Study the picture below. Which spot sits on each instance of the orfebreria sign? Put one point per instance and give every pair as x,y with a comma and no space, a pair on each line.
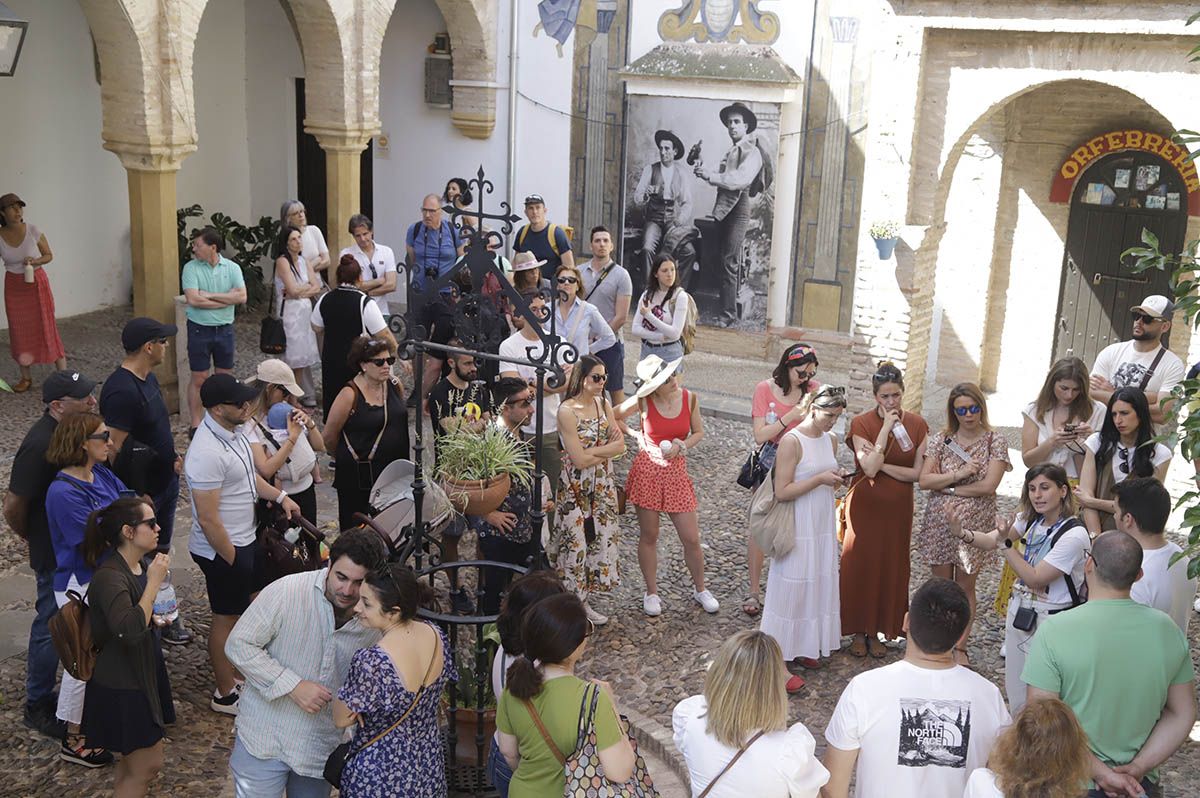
1120,140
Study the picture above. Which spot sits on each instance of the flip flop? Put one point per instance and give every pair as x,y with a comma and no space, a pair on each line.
858,648
752,606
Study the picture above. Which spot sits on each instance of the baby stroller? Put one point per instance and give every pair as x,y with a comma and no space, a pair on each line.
394,509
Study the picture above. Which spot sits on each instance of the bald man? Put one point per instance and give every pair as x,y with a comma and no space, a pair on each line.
433,245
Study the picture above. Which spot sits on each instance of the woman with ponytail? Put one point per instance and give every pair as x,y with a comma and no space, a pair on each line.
127,703
538,713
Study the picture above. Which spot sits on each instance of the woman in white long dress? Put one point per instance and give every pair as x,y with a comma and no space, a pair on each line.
295,285
802,610
315,250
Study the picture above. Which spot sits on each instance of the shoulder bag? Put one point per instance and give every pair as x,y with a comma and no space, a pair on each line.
336,763
272,340
772,522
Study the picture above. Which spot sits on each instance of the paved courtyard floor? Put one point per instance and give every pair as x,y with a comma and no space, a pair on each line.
652,662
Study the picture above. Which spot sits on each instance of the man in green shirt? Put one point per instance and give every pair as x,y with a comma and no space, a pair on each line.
1123,668
212,285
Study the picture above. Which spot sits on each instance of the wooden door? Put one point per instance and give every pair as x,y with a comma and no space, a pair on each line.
310,174
1113,201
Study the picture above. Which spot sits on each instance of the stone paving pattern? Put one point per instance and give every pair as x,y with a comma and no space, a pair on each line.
652,662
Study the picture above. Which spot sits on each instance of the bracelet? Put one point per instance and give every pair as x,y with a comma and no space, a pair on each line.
282,495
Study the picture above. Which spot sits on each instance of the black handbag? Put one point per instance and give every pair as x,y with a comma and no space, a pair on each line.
272,340
754,470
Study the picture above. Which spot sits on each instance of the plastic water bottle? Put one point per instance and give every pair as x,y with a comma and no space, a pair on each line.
166,605
772,416
902,438
666,447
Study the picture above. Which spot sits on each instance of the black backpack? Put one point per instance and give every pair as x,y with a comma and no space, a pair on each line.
1079,595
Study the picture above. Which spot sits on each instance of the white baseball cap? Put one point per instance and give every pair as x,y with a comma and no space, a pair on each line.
1157,306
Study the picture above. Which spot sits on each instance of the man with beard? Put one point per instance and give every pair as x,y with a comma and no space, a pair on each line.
665,193
458,399
1142,362
738,177
294,645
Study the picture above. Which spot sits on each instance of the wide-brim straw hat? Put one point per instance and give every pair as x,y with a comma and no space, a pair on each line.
524,261
652,372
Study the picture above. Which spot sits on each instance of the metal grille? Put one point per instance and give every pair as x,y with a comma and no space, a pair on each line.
438,68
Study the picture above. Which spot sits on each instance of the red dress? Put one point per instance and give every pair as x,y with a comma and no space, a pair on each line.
654,482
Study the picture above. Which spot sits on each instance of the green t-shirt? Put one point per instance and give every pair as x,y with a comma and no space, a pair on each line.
539,775
219,279
1112,661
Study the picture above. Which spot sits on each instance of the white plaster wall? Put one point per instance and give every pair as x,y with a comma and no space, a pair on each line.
76,192
426,149
217,175
273,62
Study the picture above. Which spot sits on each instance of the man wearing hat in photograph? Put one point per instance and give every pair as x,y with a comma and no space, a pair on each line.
63,392
548,241
1141,362
735,182
665,192
135,411
224,487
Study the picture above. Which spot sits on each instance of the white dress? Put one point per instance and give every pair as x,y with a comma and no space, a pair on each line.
802,610
301,349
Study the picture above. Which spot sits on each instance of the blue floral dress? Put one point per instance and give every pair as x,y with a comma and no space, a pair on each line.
410,760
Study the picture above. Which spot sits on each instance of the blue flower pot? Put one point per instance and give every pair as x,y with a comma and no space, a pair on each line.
886,246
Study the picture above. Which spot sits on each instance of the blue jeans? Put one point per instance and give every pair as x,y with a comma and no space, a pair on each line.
164,510
668,352
41,662
499,774
270,778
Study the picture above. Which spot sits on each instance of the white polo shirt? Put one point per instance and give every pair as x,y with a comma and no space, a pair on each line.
221,460
377,267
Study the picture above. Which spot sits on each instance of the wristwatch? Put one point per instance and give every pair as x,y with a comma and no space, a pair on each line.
1008,544
950,490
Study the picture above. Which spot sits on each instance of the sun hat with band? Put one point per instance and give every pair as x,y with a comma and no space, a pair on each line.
652,372
524,261
276,372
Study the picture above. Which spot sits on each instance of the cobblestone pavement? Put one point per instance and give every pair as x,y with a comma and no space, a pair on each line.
652,662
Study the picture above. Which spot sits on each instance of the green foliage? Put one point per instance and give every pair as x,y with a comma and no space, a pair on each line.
245,246
467,452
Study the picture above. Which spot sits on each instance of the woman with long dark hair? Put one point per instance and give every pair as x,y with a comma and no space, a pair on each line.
775,409
661,312
1051,547
391,693
295,286
543,690
458,194
583,540
1121,449
889,449
127,703
1063,416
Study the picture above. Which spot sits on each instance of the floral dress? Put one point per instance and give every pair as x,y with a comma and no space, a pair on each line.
583,544
409,760
934,541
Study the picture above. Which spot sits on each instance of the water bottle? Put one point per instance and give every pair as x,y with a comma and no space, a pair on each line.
772,416
166,605
902,438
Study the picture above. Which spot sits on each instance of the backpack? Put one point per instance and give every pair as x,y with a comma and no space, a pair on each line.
71,634
688,335
766,176
550,236
1079,595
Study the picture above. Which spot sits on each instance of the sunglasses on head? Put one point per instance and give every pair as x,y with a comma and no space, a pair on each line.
566,280
100,436
598,377
383,361
1144,318
969,410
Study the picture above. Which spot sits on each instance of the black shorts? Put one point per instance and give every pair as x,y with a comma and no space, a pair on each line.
229,586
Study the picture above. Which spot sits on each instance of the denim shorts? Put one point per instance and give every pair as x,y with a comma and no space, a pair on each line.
210,345
668,352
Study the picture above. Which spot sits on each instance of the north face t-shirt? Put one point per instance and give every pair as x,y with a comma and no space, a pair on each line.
918,731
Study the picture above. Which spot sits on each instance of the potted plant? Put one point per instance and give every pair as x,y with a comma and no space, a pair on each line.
475,703
477,463
886,235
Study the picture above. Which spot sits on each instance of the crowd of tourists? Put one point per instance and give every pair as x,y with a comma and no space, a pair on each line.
1098,677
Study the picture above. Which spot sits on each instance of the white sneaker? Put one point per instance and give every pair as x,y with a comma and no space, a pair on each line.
1196,606
596,618
707,601
651,604
1004,650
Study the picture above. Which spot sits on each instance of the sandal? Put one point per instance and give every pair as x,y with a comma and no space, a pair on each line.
876,648
24,385
752,606
858,647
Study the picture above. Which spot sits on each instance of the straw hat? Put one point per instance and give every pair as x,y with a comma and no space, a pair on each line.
652,372
524,261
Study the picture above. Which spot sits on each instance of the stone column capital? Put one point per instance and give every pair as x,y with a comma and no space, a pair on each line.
339,137
141,156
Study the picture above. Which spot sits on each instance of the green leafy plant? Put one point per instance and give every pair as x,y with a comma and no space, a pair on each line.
467,452
245,246
885,229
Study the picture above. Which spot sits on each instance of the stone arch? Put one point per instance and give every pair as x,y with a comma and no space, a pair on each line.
998,263
472,28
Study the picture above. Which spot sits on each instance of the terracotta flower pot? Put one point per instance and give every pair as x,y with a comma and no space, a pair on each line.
466,723
477,496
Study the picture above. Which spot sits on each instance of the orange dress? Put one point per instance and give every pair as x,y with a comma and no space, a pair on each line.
879,520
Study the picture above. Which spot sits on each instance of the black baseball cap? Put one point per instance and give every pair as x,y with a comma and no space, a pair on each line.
224,389
138,332
64,383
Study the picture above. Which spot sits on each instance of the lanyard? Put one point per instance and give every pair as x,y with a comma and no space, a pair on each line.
1033,553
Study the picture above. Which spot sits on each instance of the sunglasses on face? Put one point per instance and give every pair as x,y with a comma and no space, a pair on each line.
383,361
566,280
100,436
598,377
150,522
1143,318
591,628
969,410
521,403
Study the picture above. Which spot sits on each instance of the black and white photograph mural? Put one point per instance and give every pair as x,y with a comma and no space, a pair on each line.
700,187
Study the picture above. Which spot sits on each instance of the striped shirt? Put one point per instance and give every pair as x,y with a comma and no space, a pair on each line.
285,636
